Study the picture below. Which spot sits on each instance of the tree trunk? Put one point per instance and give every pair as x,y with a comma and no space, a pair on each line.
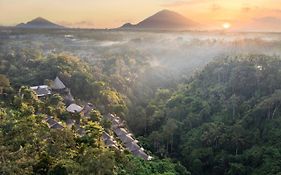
274,111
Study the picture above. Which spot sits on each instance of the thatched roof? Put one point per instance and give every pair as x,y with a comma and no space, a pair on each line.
74,108
57,84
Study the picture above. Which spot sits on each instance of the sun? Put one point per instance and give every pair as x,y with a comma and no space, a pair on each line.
226,25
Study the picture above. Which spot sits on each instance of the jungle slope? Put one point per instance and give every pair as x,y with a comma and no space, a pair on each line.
29,146
225,120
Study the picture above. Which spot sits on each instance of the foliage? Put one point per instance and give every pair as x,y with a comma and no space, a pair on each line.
225,120
29,146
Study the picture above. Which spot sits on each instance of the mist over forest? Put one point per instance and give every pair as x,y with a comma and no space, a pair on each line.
162,87
194,102
177,52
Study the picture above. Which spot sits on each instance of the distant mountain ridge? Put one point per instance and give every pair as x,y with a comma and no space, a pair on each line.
39,23
164,19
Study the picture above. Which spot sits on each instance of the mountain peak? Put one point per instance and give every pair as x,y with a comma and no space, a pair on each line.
127,25
165,19
39,22
40,19
166,11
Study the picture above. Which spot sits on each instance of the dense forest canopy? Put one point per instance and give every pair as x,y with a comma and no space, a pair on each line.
224,120
29,146
198,106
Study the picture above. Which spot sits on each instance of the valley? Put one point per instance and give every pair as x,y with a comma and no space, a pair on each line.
197,102
195,90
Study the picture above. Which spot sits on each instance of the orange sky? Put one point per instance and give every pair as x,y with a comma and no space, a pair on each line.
242,14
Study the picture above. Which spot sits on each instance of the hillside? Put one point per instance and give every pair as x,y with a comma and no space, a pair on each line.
221,118
35,137
164,19
39,23
225,120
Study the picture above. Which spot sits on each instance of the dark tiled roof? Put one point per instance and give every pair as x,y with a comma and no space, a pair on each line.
68,99
105,136
41,90
57,126
132,146
120,131
51,121
109,142
140,153
126,139
80,131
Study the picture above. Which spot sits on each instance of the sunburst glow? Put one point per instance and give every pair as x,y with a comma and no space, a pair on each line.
226,25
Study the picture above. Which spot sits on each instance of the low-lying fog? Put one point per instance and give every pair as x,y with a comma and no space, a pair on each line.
175,51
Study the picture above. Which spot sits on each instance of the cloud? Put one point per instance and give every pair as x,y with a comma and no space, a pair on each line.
85,23
226,20
184,3
246,9
268,20
267,23
215,7
276,10
79,24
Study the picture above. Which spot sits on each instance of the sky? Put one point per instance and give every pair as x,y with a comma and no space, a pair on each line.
240,14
